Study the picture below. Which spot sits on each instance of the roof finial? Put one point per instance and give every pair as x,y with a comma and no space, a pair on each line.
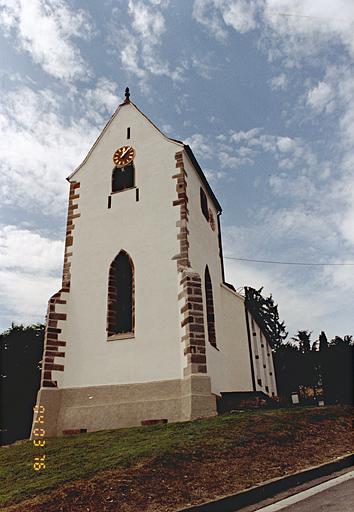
127,95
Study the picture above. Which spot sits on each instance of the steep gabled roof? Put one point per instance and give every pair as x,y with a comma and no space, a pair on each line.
107,126
178,142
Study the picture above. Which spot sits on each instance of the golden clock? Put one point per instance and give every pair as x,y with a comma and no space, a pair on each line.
123,156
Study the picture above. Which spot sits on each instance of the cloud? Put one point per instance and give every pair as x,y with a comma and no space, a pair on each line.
285,144
279,82
217,15
334,96
212,175
40,146
300,187
148,23
45,30
130,55
301,305
220,150
305,29
346,222
342,277
100,100
28,251
319,98
245,136
204,66
30,267
240,149
308,298
24,296
207,13
288,152
304,224
200,145
140,46
294,31
241,15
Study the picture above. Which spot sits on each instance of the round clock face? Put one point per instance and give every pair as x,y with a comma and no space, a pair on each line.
124,156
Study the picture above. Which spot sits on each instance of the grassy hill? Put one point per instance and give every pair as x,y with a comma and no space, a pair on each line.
165,467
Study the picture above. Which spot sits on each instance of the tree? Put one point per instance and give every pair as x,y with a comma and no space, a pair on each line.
308,364
303,339
287,362
338,374
343,343
266,314
21,350
327,365
323,342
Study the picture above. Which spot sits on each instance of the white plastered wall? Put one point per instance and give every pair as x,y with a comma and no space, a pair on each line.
147,231
229,364
262,360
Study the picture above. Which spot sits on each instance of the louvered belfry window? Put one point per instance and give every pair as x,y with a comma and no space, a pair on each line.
123,178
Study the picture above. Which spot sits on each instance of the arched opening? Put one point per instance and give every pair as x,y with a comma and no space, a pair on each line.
209,307
120,318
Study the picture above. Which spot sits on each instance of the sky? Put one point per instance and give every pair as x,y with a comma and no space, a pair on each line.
262,91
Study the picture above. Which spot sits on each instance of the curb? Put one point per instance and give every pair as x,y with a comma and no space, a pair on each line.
255,494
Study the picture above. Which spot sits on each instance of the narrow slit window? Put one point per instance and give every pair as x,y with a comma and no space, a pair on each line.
128,133
123,178
209,307
204,204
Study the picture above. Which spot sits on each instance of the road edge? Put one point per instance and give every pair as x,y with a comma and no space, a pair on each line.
269,488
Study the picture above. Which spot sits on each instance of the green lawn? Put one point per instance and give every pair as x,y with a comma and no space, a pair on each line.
79,457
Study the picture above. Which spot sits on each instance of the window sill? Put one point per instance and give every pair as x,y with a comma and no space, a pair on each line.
123,190
121,336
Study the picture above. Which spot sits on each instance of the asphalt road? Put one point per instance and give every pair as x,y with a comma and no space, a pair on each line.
336,495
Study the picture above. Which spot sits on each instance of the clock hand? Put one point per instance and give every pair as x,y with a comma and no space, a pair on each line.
126,151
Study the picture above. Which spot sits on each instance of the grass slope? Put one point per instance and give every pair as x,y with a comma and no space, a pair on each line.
167,466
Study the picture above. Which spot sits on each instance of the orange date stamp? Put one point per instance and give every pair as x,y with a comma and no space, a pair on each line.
38,438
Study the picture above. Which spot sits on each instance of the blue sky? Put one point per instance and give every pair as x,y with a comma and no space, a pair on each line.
262,90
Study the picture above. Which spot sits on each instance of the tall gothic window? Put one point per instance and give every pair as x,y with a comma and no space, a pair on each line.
121,295
204,204
123,177
209,307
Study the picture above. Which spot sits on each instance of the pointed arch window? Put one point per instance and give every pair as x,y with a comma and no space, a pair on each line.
209,307
121,309
204,204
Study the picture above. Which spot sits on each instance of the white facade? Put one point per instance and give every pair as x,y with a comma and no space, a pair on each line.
154,227
143,229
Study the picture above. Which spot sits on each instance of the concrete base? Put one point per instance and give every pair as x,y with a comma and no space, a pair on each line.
125,405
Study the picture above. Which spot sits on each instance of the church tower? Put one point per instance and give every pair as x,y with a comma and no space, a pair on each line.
144,327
